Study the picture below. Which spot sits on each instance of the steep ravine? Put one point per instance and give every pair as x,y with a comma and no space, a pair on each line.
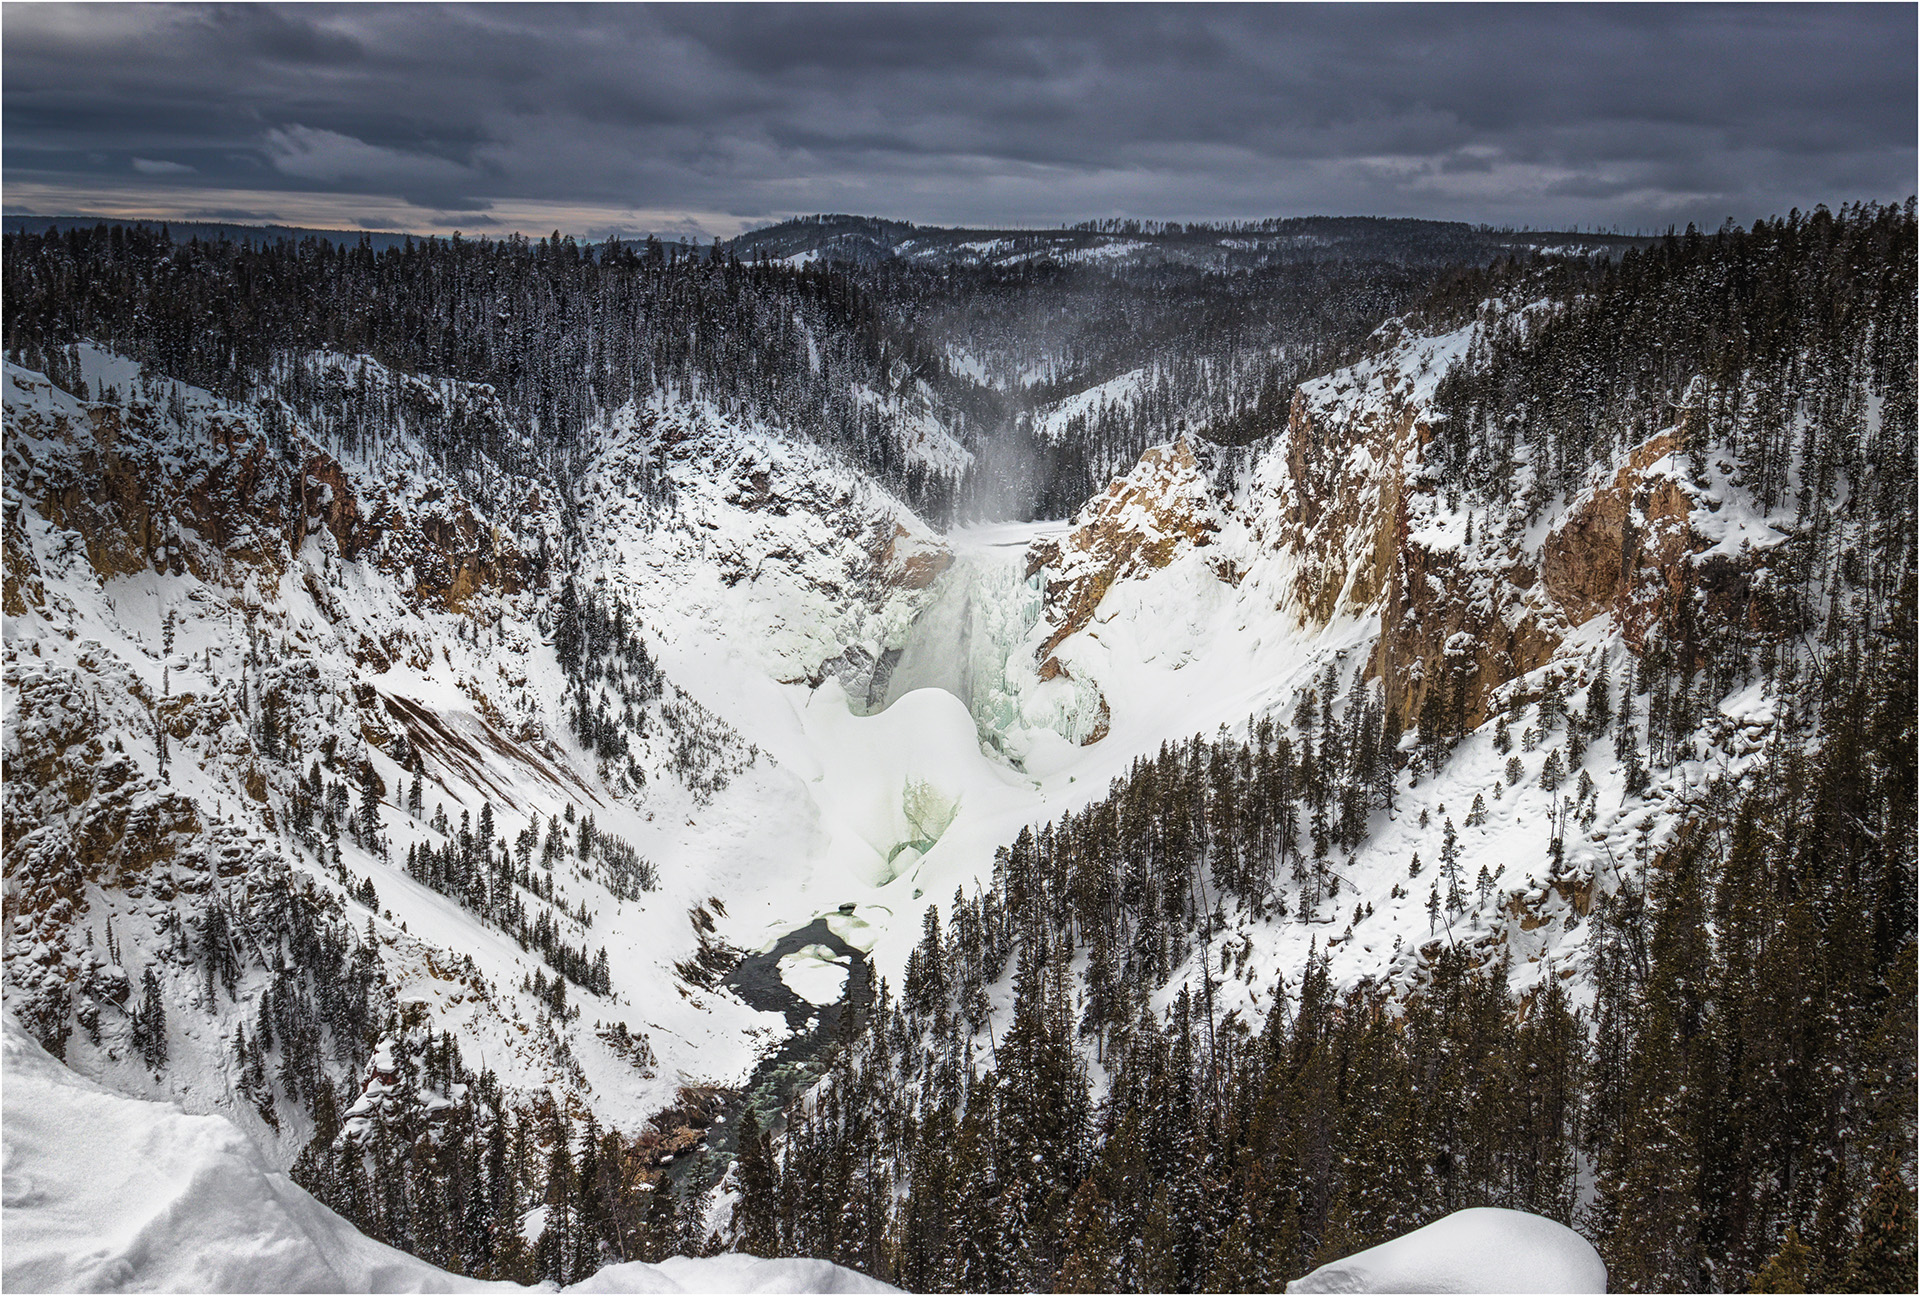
973,640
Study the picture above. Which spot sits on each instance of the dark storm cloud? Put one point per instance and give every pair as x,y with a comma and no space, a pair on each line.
714,116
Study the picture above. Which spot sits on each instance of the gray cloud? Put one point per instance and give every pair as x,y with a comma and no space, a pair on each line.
613,117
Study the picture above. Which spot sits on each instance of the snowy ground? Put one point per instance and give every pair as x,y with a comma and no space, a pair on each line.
752,585
747,603
108,1193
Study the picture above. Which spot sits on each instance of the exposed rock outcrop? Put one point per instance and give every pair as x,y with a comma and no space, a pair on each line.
1465,598
1168,504
221,502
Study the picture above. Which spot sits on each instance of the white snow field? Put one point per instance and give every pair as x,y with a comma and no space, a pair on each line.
107,1193
749,586
816,974
1482,1249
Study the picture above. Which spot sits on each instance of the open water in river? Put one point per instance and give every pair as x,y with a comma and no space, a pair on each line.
796,1063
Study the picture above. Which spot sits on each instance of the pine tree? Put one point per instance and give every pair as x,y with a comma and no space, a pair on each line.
755,1218
1552,771
150,1023
1787,1270
553,1250
367,822
1653,1174
1884,1256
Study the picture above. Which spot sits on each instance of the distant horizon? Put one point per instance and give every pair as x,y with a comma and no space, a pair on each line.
1582,230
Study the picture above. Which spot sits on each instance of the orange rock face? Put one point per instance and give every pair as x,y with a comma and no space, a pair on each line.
906,562
1343,514
1623,549
1345,495
136,507
1142,522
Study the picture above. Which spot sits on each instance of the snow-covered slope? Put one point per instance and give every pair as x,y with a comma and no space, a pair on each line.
722,686
108,1193
481,797
227,631
796,565
1212,585
867,239
326,610
1205,587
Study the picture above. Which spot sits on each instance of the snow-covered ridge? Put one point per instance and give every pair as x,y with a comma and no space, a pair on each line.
398,619
1480,1249
209,707
1330,557
1051,422
142,659
107,1193
768,546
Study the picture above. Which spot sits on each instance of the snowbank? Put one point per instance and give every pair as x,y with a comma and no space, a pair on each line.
1479,1250
730,1273
816,974
107,1193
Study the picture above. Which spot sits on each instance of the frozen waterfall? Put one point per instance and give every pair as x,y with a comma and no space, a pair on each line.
976,640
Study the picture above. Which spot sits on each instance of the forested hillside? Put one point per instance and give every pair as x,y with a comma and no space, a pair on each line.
975,387
562,335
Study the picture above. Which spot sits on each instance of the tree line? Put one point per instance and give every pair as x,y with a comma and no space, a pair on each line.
562,334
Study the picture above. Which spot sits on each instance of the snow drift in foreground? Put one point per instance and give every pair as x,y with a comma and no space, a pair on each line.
1483,1249
107,1193
730,1273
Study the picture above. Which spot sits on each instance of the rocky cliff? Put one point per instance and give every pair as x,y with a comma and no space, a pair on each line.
1340,516
1332,564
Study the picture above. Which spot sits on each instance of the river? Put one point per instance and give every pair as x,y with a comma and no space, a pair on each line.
800,1060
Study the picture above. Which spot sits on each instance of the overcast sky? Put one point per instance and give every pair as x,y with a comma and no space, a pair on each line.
712,119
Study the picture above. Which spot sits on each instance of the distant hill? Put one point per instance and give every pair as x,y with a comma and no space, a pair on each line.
1237,245
868,240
